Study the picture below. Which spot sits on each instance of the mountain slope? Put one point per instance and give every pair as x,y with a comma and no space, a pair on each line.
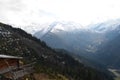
17,42
92,43
71,37
109,54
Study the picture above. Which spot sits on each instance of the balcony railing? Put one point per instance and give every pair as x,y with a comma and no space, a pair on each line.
18,72
10,68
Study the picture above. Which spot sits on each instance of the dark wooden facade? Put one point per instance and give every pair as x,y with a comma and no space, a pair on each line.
6,63
11,68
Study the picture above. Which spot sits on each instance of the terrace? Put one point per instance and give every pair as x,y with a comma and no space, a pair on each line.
11,68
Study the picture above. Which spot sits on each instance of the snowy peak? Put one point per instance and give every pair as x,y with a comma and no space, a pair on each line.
65,26
106,26
57,27
51,27
33,28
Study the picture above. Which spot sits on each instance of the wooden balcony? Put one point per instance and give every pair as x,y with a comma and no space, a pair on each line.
14,72
20,73
10,68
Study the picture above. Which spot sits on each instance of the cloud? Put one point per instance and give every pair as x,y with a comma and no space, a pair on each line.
21,12
25,12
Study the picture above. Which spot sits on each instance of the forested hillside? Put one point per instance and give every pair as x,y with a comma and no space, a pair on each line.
58,66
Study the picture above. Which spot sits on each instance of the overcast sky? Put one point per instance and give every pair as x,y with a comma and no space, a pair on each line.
85,12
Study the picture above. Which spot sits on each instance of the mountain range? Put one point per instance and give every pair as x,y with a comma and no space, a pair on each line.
56,65
98,42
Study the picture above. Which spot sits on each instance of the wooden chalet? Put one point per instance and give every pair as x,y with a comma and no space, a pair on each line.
12,69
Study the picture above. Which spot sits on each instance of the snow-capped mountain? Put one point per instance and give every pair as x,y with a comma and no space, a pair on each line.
110,29
105,26
88,42
57,27
74,37
77,39
17,42
70,36
65,26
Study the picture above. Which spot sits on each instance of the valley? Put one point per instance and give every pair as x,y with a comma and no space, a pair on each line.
116,73
52,64
61,39
86,50
98,42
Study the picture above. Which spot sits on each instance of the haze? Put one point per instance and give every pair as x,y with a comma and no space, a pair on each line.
85,12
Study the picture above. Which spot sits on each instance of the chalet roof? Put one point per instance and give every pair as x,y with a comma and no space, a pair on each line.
9,57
